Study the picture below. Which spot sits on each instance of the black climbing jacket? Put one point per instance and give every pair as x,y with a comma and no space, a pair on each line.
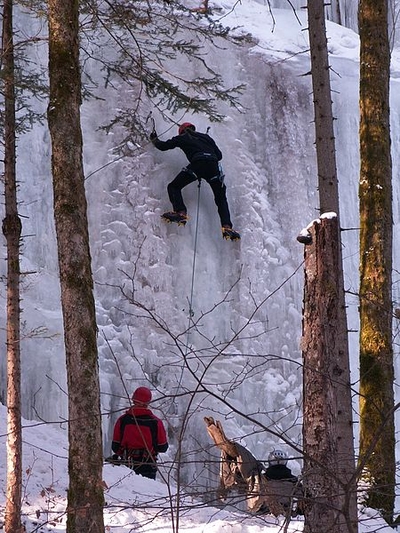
195,145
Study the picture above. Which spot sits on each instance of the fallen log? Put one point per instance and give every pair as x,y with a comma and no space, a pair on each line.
241,470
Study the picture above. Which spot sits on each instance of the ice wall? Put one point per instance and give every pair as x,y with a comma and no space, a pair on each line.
218,324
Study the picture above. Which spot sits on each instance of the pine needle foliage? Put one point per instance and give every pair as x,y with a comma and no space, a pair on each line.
155,52
158,52
30,83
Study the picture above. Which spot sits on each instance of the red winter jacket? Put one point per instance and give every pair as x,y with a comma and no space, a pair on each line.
139,430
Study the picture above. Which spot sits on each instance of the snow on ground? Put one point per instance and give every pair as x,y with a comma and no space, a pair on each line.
132,502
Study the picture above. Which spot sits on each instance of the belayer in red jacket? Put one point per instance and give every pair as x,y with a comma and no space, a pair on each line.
204,157
139,436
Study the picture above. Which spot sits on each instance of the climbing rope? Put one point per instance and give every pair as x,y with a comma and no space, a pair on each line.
191,312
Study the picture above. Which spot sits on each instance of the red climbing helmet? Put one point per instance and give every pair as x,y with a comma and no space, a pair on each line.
142,395
182,128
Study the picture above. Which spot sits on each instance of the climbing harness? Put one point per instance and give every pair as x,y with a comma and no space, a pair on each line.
220,176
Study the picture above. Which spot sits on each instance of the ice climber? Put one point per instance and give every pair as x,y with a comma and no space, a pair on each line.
204,156
139,436
277,469
285,486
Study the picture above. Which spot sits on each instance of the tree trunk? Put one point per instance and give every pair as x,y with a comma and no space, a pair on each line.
325,139
329,202
85,493
377,455
330,491
12,232
217,434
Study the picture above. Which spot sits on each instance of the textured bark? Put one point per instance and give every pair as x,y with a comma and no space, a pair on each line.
325,139
12,232
85,493
377,439
330,489
216,432
329,202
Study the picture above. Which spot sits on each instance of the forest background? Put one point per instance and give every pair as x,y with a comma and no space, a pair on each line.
269,161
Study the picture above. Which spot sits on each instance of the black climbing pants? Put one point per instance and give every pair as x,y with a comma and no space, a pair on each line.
209,171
